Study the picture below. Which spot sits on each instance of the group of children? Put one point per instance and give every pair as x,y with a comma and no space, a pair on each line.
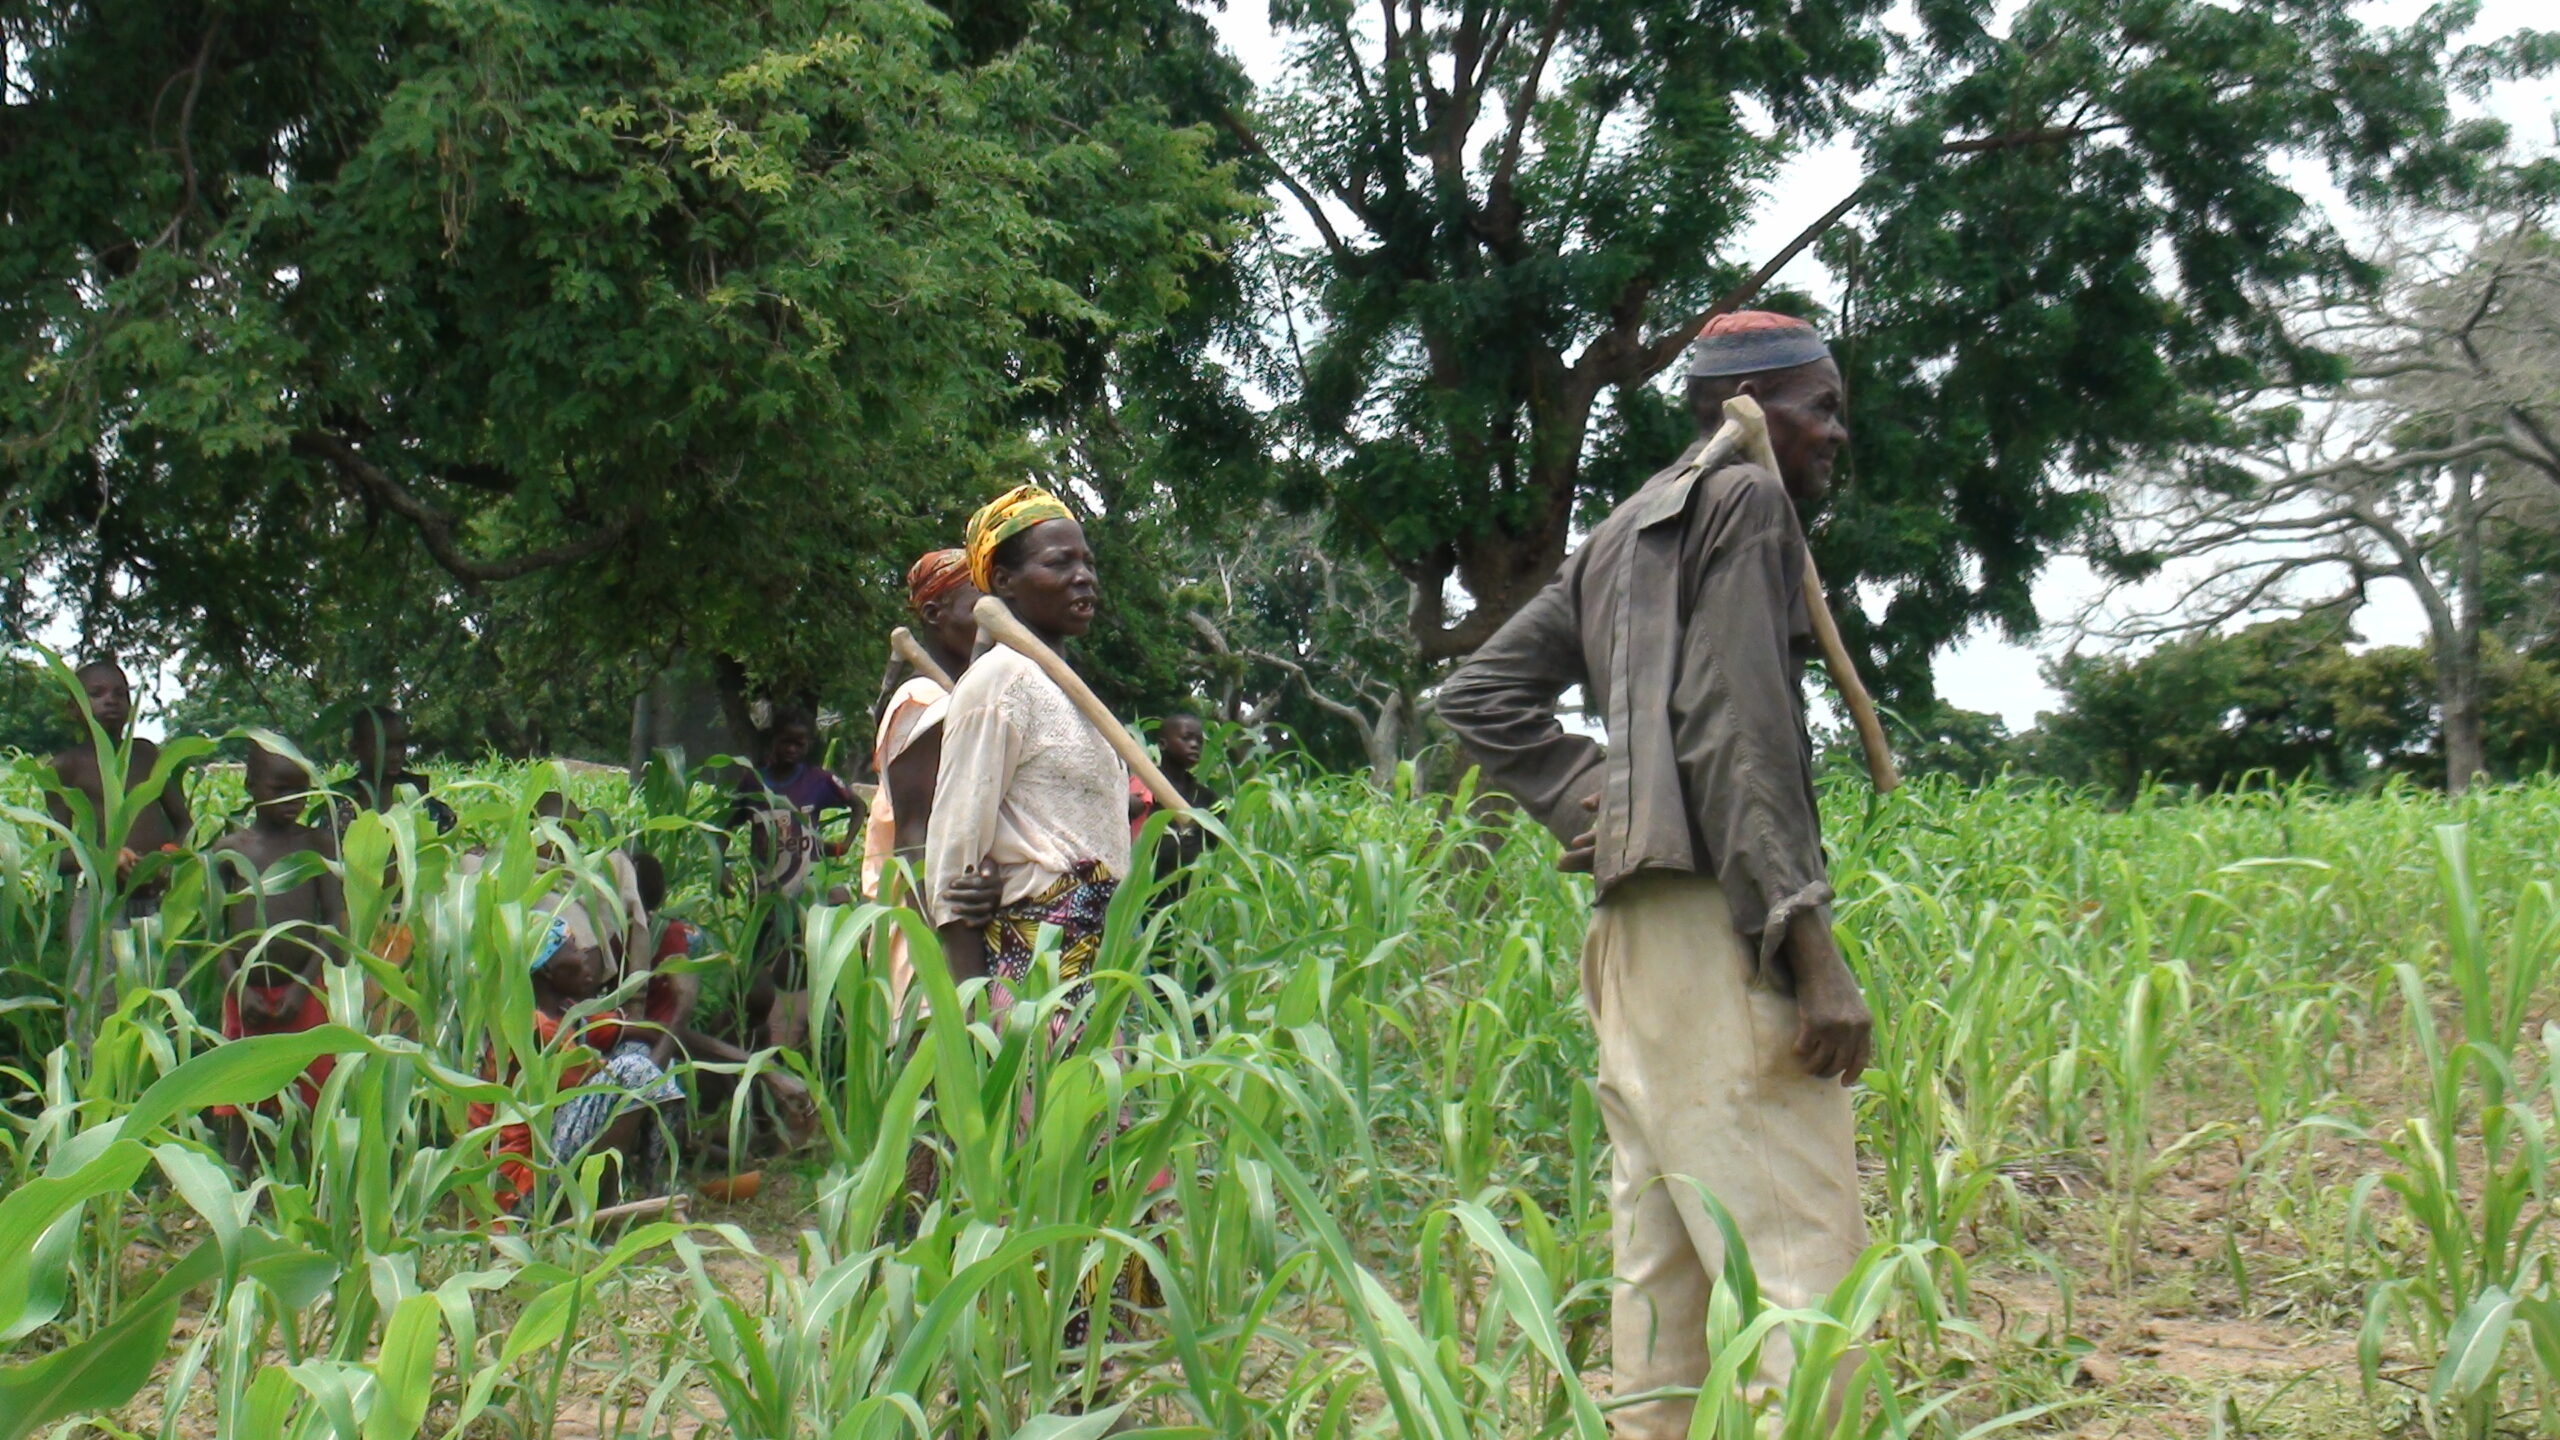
281,918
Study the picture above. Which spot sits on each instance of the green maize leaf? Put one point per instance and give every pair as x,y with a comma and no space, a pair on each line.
204,1186
1070,1427
404,1372
241,1072
40,1208
1532,1302
332,1385
2011,1421
40,1287
546,1318
2541,1316
268,1402
2472,1346
111,1366
871,1416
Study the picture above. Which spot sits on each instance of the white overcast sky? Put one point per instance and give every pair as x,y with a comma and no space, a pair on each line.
1986,671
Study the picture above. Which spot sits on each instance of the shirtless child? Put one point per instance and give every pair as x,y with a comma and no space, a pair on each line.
107,697
378,741
281,924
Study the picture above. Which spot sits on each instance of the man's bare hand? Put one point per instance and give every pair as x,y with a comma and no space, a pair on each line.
1579,852
972,898
1835,1032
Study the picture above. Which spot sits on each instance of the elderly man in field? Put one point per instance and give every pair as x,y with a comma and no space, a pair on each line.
1729,1026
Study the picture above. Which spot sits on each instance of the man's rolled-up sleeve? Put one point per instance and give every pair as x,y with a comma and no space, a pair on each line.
1739,723
1502,706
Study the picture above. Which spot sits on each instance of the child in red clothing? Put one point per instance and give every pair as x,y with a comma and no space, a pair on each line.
667,1007
620,1097
283,924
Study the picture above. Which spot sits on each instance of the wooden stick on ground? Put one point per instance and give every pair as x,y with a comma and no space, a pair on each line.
668,1207
997,620
904,643
1744,411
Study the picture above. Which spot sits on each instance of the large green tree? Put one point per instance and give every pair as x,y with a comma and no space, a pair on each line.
1522,211
588,332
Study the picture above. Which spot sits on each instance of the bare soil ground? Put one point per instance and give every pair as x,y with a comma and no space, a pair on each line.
2181,1353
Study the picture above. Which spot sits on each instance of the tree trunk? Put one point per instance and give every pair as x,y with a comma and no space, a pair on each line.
1383,739
729,678
2464,754
2458,663
640,728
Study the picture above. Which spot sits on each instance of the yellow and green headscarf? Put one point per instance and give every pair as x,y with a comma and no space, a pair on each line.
1002,518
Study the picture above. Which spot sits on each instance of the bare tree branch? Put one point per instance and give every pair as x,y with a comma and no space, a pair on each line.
435,528
1358,718
1526,101
1666,347
1659,352
1307,202
186,125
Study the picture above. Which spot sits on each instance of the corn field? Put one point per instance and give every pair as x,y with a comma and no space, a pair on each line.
2210,1116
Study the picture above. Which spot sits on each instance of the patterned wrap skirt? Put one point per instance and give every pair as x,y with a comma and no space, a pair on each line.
1076,903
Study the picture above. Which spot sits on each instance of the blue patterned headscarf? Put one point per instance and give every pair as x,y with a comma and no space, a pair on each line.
552,939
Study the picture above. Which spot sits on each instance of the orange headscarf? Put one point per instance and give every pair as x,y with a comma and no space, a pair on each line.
935,574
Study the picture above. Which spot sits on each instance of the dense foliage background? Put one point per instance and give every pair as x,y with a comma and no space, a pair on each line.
511,361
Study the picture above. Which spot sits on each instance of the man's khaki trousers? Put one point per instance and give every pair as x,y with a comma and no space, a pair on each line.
1699,1079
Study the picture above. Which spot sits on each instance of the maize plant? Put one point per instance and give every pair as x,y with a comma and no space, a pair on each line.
1323,1159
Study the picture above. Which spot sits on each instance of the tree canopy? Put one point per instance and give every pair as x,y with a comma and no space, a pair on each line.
586,332
2073,217
511,354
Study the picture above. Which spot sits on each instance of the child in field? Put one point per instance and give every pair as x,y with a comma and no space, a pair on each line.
630,1107
161,828
667,1006
1180,739
780,805
281,924
789,777
378,740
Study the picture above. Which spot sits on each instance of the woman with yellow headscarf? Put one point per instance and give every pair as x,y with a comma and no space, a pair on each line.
1030,822
1030,812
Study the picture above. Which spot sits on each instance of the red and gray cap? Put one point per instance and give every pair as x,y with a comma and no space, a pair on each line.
1747,342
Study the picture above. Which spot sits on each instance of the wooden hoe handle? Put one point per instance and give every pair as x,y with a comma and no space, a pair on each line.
1742,417
903,642
996,619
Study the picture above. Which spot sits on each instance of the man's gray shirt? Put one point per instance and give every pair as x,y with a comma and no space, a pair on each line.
1682,618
